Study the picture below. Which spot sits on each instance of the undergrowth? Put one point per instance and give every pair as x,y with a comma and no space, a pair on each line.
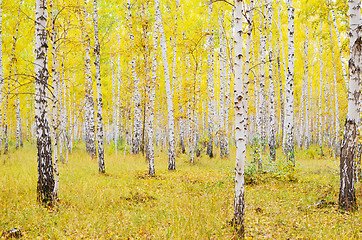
193,202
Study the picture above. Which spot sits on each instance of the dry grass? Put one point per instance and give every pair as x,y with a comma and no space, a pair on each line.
193,202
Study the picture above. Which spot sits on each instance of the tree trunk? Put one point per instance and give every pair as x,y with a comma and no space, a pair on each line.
44,148
55,74
100,131
210,84
262,97
289,103
151,108
241,113
347,198
137,125
320,142
283,101
90,141
171,124
114,98
307,92
222,90
19,138
272,137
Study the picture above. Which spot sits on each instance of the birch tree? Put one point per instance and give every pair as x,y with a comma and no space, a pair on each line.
241,112
151,107
19,135
210,84
289,98
100,131
320,97
171,124
222,89
262,98
136,139
44,148
55,74
307,93
347,198
90,139
272,140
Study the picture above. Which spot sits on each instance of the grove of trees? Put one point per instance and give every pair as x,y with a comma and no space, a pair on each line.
185,77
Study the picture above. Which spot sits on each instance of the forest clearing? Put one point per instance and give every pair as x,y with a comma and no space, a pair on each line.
180,119
193,202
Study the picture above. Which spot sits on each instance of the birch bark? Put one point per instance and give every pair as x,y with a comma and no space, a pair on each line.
55,101
100,131
222,106
171,124
347,198
19,138
307,106
283,107
262,97
272,137
241,112
210,83
320,98
44,148
90,140
289,96
114,98
137,128
151,107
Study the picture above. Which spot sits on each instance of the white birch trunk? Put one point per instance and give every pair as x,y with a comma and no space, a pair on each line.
100,131
241,113
55,74
115,96
272,123
171,124
289,103
90,140
283,107
223,90
262,98
44,148
307,93
347,198
210,84
19,140
151,107
320,98
137,125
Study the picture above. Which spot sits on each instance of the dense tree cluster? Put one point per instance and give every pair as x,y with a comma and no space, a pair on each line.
167,74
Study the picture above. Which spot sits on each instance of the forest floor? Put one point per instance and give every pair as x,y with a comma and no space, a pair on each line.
193,202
